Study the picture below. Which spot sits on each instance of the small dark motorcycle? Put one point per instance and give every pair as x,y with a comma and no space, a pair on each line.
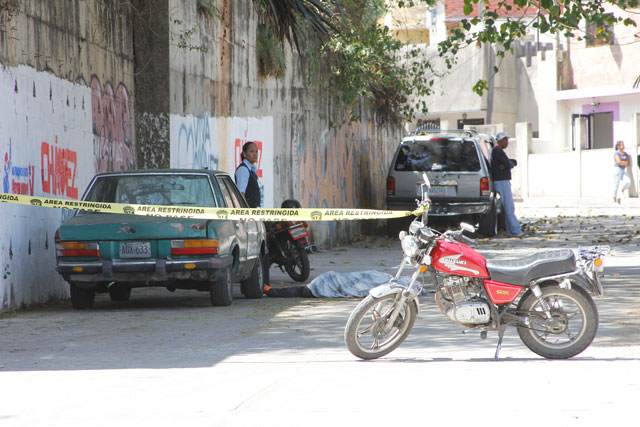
288,242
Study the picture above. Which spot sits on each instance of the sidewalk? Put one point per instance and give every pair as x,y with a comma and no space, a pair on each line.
535,207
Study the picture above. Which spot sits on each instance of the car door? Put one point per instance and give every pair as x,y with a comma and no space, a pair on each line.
254,228
247,231
239,226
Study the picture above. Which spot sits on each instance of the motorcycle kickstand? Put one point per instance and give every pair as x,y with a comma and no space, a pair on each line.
501,330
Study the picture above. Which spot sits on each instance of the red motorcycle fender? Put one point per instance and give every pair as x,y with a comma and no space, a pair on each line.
389,289
502,293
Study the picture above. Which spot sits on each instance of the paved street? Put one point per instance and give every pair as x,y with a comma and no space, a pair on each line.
170,358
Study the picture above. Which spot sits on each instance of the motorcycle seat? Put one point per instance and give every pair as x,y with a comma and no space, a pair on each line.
521,271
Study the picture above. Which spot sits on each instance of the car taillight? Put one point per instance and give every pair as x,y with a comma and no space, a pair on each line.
485,187
77,249
194,247
391,186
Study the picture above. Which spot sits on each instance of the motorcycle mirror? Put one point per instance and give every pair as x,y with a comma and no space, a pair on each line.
427,183
424,187
467,227
415,226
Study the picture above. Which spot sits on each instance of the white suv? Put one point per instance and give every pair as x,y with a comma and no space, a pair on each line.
457,164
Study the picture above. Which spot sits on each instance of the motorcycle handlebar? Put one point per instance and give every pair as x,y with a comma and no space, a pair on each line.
463,239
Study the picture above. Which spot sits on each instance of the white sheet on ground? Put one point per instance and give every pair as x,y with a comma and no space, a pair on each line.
347,285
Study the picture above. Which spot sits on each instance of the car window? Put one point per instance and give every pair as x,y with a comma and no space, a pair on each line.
228,200
438,154
236,196
173,190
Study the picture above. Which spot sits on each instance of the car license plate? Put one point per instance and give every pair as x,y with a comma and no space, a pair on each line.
298,232
438,191
135,250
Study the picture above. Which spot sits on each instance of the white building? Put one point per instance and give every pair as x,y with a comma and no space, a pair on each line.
566,102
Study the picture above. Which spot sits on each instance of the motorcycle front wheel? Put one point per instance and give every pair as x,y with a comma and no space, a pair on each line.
297,261
368,334
571,329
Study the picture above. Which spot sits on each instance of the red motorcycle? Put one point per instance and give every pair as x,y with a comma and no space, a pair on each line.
288,243
545,296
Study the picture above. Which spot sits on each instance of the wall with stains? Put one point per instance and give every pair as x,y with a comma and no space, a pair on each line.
66,113
218,98
86,96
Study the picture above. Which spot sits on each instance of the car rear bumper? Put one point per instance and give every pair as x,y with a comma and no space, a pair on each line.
442,208
151,270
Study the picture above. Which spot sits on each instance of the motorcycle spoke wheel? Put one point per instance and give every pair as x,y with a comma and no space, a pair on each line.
571,328
297,261
369,334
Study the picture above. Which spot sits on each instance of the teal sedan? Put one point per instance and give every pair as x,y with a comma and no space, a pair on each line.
113,253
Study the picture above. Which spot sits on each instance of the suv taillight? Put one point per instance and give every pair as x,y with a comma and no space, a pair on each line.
391,186
485,187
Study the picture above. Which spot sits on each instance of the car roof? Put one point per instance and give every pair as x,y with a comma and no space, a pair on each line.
162,171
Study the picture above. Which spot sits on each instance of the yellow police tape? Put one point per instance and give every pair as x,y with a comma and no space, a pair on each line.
259,214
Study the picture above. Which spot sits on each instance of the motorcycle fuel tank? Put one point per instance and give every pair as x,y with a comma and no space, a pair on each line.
459,259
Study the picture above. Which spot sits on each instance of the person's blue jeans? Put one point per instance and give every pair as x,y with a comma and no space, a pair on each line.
504,189
620,176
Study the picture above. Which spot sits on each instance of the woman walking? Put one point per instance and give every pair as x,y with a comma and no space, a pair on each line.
621,161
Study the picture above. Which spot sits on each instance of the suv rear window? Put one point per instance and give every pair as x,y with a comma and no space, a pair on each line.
438,154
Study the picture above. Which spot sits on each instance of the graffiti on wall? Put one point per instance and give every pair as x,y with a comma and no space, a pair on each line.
195,144
111,123
59,167
17,179
329,170
216,143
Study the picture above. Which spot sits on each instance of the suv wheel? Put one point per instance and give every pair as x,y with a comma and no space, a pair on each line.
488,226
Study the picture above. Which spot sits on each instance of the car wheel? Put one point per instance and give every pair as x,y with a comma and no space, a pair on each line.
253,287
81,298
221,290
488,225
120,293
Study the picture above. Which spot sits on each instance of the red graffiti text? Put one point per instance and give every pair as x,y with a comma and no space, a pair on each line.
59,167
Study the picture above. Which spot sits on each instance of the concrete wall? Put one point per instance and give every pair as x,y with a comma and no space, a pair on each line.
219,101
67,89
85,96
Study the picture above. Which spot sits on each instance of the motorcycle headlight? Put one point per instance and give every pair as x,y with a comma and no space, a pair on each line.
415,227
410,246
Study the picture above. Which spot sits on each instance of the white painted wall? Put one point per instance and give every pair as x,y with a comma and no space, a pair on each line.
216,143
46,149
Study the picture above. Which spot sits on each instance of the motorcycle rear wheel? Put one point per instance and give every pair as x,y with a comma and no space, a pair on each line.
572,328
365,334
297,261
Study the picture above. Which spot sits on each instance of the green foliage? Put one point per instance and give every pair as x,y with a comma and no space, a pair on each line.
185,38
271,59
288,19
554,17
367,64
10,7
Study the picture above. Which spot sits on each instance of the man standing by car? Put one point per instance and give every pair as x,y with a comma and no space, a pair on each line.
501,171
